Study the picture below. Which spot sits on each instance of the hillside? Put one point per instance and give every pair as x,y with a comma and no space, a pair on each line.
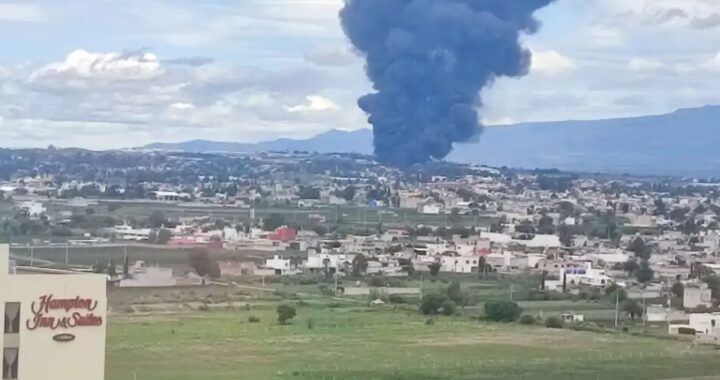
680,143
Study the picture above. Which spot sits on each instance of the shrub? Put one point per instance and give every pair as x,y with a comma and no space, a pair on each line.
527,319
502,311
554,323
253,319
285,313
435,303
397,299
204,307
448,307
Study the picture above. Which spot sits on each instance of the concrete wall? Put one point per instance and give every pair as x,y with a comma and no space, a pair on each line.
382,291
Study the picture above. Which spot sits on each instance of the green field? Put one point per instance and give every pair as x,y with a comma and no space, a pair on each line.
361,343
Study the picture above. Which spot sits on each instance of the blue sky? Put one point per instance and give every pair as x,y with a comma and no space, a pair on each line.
120,73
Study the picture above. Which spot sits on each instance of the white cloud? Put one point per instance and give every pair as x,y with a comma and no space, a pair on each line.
85,65
713,64
332,56
21,12
180,106
503,121
551,63
645,65
314,103
605,36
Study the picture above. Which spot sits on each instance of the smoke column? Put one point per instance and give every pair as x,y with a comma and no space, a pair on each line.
428,61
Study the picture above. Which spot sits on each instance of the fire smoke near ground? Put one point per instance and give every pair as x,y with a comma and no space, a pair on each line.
428,61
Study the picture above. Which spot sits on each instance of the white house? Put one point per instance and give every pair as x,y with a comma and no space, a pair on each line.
587,275
34,210
696,294
144,276
459,264
281,266
126,232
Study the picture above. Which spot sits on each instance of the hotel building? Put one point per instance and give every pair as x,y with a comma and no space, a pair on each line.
54,324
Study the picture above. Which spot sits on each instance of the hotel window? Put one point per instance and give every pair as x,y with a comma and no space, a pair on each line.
12,318
10,364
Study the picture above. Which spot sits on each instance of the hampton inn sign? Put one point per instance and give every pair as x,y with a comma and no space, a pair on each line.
78,313
54,325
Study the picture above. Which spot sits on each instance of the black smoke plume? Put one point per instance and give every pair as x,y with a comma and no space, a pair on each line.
428,61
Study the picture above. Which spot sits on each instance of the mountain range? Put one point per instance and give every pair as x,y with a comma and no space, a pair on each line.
681,143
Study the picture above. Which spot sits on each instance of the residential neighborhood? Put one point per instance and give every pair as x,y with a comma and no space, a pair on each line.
650,241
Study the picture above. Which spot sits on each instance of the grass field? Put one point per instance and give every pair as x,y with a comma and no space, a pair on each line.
361,343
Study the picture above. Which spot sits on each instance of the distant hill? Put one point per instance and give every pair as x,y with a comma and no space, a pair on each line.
681,143
333,141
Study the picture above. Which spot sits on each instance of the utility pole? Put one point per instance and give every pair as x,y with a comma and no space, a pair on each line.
67,254
617,308
421,287
336,279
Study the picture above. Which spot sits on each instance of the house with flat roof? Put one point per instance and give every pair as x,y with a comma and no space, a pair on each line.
54,324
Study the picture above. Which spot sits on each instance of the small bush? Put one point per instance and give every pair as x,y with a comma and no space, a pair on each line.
554,323
253,319
396,299
502,311
310,324
285,313
204,307
527,319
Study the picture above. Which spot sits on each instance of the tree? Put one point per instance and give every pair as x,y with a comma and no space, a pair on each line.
434,268
639,248
163,236
632,308
713,282
660,208
308,192
90,211
502,311
483,266
454,292
436,303
326,266
566,235
455,215
111,270
359,264
273,221
348,193
678,289
554,323
525,227
615,292
99,267
126,266
285,313
645,274
156,219
546,225
204,264
631,266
